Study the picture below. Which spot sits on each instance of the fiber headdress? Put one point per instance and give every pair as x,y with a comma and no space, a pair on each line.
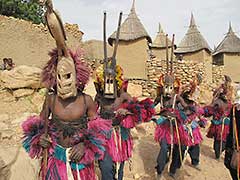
82,69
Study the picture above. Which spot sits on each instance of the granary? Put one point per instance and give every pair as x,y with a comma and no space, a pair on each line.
94,52
133,47
227,53
193,47
158,47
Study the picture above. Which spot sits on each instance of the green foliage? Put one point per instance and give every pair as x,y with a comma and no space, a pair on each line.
23,9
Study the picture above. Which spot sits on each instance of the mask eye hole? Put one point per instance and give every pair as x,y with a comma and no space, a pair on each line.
171,87
59,77
67,76
111,81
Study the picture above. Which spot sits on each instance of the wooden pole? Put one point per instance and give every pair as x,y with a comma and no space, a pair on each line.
172,53
167,60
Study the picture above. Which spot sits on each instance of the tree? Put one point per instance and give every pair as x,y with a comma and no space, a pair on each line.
23,9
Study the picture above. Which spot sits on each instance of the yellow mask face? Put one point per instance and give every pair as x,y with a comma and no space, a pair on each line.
66,78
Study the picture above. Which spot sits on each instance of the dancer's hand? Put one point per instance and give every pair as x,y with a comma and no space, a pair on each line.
45,141
77,152
171,114
122,112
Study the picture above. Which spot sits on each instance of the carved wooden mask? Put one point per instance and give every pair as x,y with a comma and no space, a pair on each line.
66,78
168,87
109,84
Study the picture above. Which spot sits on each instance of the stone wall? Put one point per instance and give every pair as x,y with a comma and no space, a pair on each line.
74,30
184,70
217,74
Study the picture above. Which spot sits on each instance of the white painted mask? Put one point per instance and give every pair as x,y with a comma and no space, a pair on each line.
109,87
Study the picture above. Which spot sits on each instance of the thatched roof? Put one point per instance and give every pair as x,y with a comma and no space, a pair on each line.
193,40
160,40
131,29
94,49
230,43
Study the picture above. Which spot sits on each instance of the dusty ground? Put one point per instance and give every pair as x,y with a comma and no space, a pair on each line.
13,112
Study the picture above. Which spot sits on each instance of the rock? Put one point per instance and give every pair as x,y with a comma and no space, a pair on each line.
21,77
22,92
6,96
23,168
136,176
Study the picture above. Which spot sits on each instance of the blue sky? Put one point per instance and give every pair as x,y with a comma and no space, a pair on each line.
211,16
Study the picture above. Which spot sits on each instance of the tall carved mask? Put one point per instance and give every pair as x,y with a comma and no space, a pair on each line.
66,78
109,84
168,87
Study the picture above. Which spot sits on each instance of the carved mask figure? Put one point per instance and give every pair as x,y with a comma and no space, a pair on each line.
168,88
66,78
109,84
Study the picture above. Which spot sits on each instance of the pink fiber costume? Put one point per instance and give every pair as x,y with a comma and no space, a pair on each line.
163,129
192,124
120,142
192,127
193,120
219,127
169,132
220,112
91,133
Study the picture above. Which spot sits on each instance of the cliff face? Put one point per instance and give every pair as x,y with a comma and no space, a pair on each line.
29,44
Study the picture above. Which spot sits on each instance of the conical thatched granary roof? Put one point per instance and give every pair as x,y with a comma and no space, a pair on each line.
131,29
230,43
160,40
193,40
